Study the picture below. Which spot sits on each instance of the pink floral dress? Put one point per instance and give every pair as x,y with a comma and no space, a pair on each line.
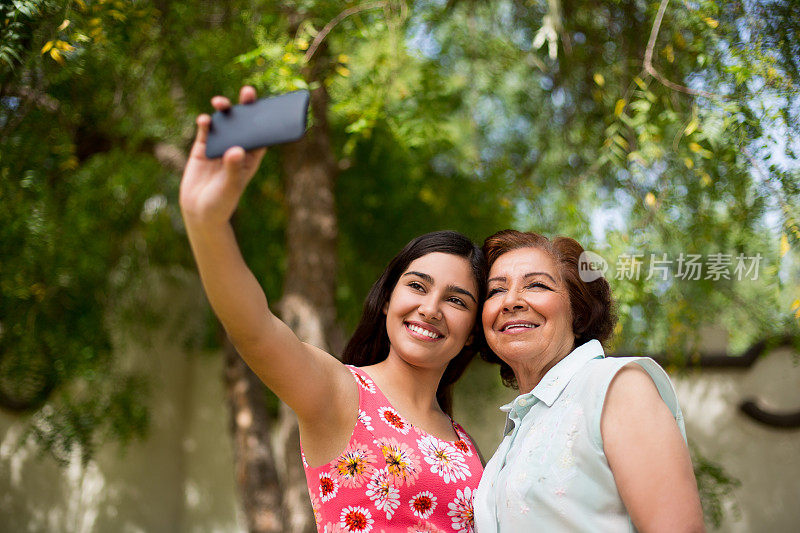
394,477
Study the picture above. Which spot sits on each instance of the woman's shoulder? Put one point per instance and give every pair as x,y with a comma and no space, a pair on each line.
634,378
620,361
642,370
598,373
606,368
593,382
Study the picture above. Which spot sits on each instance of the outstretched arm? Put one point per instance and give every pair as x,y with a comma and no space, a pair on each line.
209,194
648,457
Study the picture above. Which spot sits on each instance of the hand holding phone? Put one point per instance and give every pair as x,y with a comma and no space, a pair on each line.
211,187
265,122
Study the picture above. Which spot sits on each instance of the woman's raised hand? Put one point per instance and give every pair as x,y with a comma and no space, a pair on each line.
210,192
211,188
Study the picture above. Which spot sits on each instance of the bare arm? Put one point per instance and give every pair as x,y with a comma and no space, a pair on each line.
648,457
209,194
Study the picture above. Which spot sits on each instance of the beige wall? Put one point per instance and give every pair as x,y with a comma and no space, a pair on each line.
766,460
179,479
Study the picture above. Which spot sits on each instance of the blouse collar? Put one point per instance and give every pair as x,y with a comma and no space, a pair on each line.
555,381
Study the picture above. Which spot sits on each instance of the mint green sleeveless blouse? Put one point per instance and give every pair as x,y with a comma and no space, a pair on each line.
549,472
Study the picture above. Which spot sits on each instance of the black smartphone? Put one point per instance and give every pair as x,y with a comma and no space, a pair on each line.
265,122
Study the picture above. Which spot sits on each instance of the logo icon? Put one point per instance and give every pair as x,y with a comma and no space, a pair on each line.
591,266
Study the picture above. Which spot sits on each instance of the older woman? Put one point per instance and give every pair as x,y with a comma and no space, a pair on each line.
591,443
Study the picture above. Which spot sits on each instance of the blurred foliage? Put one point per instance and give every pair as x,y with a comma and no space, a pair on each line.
91,146
15,21
404,141
714,485
599,150
470,115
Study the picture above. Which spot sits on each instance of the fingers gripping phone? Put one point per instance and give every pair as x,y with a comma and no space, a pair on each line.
265,122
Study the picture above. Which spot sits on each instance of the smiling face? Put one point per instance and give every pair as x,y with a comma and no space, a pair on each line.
432,310
527,319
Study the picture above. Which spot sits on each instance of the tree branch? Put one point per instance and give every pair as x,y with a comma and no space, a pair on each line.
648,59
170,156
336,20
40,98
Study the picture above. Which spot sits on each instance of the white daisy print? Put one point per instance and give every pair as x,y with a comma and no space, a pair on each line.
444,458
356,519
461,512
328,486
364,382
383,493
423,504
366,420
393,419
463,442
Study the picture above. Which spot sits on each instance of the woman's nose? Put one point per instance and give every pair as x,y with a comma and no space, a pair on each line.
429,308
512,301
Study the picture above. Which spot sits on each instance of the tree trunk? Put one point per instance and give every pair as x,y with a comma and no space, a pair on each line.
254,461
308,305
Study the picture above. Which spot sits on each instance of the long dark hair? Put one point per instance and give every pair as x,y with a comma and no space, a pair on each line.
370,342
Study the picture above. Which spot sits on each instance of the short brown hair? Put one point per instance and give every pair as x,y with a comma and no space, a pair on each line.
593,311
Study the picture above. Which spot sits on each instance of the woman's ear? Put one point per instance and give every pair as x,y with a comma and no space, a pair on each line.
470,339
385,308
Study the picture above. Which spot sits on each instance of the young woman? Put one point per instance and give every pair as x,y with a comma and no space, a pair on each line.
380,449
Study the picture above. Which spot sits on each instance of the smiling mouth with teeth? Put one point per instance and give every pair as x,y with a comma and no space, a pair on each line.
519,326
423,331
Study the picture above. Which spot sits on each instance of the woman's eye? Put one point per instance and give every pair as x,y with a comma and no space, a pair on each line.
457,301
492,292
416,286
538,285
